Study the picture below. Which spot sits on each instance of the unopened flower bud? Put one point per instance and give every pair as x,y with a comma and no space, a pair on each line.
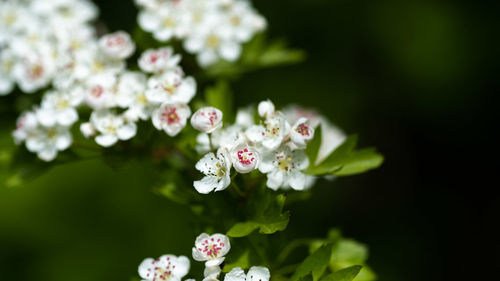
207,119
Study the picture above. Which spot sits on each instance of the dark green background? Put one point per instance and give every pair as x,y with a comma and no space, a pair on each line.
417,79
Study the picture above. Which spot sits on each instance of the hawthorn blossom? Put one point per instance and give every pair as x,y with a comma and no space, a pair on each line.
25,124
59,107
117,45
159,60
46,142
207,119
272,133
283,167
301,132
255,273
99,90
212,30
7,61
245,158
164,268
216,168
171,86
171,117
111,127
211,248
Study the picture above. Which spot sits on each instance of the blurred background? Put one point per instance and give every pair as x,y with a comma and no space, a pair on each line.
417,79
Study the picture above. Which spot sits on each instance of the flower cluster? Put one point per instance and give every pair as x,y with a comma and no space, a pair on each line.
275,146
212,30
208,248
38,40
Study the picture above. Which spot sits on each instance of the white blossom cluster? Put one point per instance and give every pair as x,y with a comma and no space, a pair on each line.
275,146
38,40
211,29
208,248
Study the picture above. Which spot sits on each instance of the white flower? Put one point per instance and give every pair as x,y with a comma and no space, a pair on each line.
211,248
47,141
159,60
99,91
212,44
266,108
301,132
275,130
245,158
33,72
255,273
59,107
171,117
216,169
165,268
117,45
171,86
207,119
25,124
111,127
283,168
331,136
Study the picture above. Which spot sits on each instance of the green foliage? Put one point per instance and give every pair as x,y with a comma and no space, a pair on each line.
344,160
346,274
315,264
268,216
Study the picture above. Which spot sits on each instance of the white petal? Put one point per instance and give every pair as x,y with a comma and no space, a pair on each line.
127,131
144,266
63,141
46,117
236,274
274,180
258,273
181,267
206,184
48,154
106,140
198,256
230,51
207,57
214,262
297,180
67,117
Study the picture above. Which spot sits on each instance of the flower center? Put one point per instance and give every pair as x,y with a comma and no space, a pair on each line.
213,41
36,71
97,91
245,157
62,104
303,129
211,248
170,115
169,22
285,162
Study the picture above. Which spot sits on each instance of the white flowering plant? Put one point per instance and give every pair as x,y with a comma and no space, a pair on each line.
162,93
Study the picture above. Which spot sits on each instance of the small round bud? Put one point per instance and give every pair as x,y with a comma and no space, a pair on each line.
88,130
207,119
266,108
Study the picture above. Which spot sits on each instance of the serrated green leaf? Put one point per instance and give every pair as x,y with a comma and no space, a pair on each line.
345,161
313,146
242,229
220,96
315,264
346,274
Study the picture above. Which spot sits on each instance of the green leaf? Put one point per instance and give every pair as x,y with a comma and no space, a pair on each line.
221,97
268,218
345,160
243,261
313,146
349,252
346,274
315,264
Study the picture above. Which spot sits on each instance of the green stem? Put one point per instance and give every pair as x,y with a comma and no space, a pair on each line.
235,185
